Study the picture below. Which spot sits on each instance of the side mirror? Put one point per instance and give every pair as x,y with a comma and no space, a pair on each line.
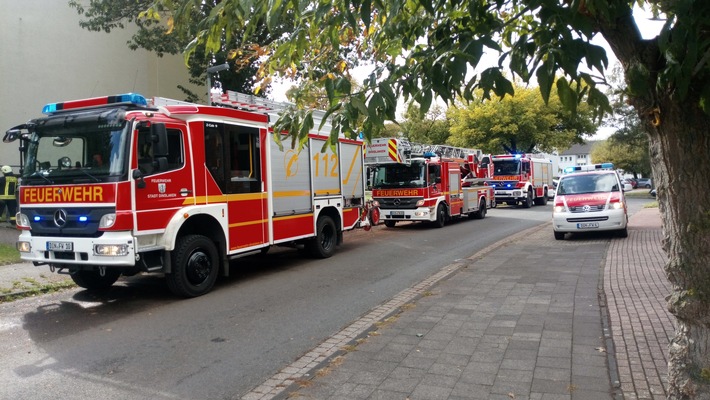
159,135
138,176
11,135
61,141
628,187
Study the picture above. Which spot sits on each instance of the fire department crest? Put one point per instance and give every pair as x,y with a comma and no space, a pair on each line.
161,188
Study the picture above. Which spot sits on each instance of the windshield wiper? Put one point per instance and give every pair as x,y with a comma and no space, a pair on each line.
96,180
37,173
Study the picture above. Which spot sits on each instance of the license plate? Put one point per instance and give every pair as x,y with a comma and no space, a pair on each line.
587,225
397,213
60,246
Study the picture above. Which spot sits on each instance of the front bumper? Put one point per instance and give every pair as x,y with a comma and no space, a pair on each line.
607,220
510,195
78,250
419,214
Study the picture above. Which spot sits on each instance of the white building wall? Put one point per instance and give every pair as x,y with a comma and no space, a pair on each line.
46,57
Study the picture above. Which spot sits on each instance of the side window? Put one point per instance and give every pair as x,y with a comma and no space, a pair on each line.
244,160
214,152
148,164
434,174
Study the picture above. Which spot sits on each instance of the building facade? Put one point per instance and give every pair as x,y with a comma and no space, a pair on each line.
47,57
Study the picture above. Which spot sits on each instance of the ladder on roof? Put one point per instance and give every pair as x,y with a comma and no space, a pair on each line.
444,151
249,102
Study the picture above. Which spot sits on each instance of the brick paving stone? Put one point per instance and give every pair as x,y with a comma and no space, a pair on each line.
504,324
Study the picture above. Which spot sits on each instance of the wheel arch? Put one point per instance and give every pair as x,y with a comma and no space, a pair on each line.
336,215
198,221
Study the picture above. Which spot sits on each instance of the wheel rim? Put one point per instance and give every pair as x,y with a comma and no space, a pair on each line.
198,268
327,238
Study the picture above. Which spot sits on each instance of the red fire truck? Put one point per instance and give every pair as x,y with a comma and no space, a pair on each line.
119,185
412,182
521,179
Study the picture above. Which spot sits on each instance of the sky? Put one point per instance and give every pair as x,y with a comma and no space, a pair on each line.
649,28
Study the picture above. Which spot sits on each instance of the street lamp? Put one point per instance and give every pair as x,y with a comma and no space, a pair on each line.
212,70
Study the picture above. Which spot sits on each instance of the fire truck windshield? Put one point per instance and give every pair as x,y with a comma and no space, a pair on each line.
399,175
506,167
77,153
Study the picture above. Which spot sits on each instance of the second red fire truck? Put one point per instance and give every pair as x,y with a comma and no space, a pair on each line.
119,185
434,184
521,179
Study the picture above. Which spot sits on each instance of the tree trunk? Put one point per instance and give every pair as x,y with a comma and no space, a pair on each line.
680,157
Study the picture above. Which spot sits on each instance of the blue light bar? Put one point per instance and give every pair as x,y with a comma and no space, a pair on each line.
429,154
518,156
132,98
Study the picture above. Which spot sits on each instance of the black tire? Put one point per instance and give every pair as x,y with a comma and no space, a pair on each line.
648,186
93,281
541,201
559,235
622,233
195,265
528,200
326,239
440,216
390,224
481,213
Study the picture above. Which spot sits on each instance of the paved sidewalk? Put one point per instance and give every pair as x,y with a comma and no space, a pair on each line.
525,320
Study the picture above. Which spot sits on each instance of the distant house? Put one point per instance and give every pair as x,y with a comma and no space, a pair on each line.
578,154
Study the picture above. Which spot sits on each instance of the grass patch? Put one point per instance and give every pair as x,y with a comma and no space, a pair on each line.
639,194
9,254
653,204
29,287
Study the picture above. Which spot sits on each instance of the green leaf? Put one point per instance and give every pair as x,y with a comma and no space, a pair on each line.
566,95
545,78
365,13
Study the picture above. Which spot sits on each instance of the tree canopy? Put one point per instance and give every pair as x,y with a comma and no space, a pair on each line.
519,124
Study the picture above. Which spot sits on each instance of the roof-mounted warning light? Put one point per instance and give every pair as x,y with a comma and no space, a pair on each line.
127,98
590,167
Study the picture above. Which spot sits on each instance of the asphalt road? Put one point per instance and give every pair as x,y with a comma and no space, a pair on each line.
138,341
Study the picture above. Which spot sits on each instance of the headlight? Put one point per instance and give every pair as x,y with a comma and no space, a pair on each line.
420,203
375,203
107,221
22,221
110,249
23,247
616,206
559,209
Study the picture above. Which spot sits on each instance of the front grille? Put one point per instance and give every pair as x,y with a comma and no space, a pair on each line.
42,221
588,219
398,203
580,209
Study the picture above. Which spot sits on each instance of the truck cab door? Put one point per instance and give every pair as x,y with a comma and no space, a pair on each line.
161,180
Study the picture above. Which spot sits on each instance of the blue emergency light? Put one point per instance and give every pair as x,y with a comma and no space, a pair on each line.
592,167
130,98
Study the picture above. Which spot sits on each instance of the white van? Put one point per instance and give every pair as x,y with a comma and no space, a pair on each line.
590,198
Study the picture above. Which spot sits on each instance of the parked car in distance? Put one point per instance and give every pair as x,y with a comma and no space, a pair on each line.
632,181
552,190
644,183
